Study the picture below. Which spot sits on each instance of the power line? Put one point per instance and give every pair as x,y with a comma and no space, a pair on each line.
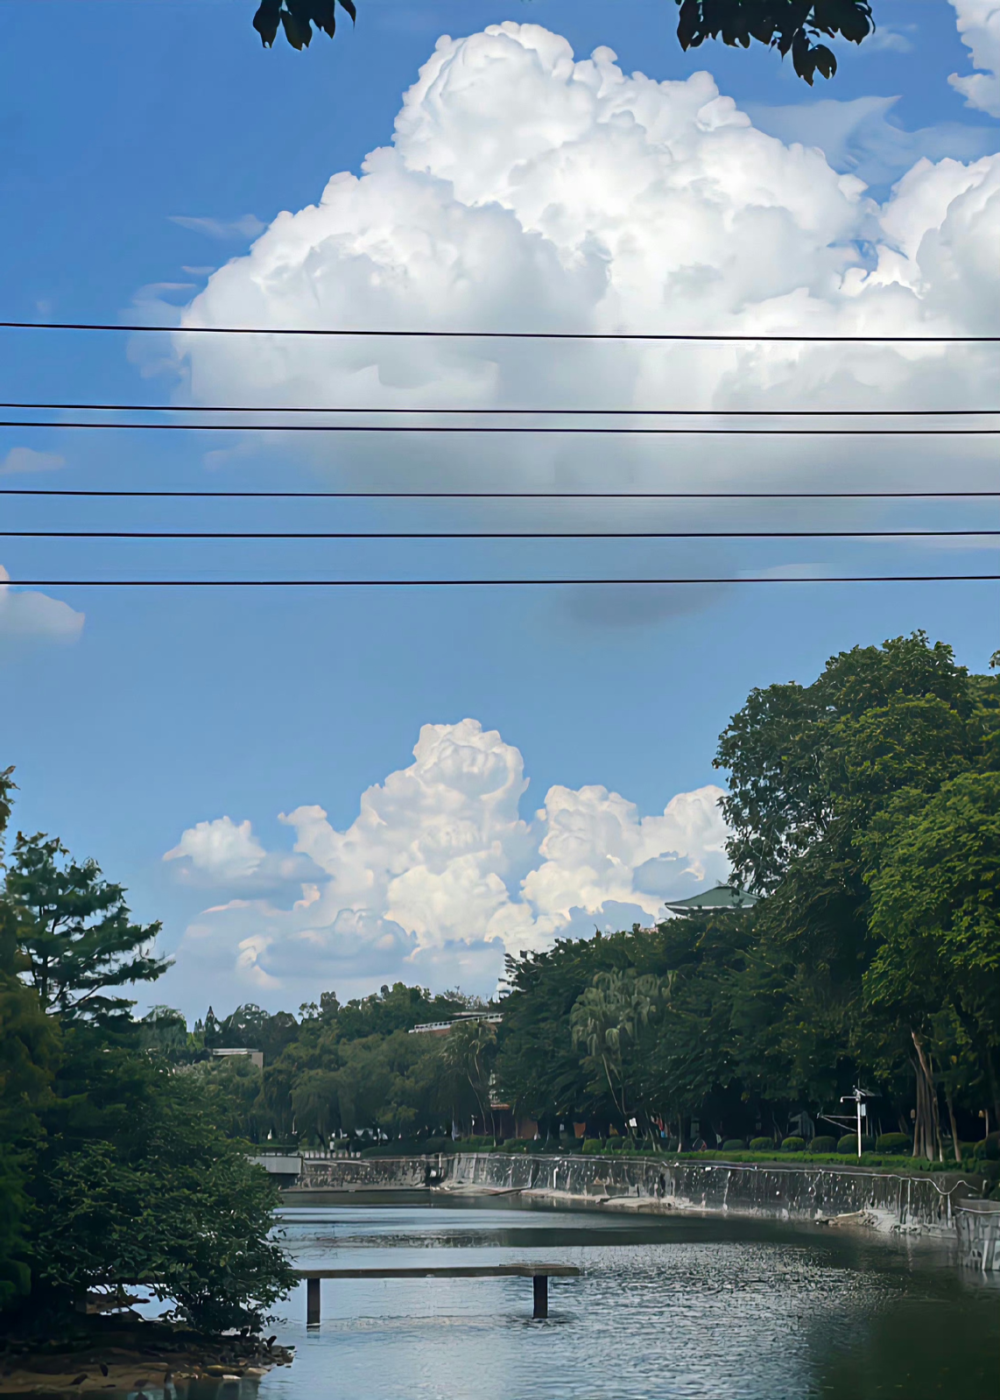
486,534
500,428
479,582
502,335
501,495
522,412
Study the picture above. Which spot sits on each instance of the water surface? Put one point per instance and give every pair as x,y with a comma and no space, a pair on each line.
666,1307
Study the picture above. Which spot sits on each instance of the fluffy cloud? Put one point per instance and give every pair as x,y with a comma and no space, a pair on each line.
26,615
525,189
220,849
859,136
26,459
439,875
979,26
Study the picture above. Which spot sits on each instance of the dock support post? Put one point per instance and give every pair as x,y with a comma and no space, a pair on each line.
312,1302
540,1288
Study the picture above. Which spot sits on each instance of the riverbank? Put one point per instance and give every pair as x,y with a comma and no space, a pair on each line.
879,1200
115,1356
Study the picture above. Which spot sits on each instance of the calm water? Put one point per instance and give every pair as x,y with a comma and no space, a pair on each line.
666,1307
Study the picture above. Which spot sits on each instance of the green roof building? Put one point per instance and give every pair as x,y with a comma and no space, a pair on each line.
721,897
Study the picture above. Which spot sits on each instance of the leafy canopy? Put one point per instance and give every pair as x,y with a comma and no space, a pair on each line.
790,26
75,931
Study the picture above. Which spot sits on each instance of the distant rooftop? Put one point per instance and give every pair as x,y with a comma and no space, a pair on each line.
719,897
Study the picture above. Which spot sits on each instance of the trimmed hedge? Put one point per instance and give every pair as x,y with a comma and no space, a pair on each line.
848,1144
761,1144
592,1146
823,1144
733,1145
793,1144
893,1142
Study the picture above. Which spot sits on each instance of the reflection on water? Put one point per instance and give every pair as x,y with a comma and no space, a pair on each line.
666,1307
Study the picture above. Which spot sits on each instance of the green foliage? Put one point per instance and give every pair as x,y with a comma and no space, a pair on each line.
607,1018
822,1143
793,1144
172,1205
112,1170
469,1052
733,1145
592,1146
75,931
762,1144
29,1047
790,26
892,1142
847,1146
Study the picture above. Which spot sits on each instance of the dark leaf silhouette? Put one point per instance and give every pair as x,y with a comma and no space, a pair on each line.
790,26
266,21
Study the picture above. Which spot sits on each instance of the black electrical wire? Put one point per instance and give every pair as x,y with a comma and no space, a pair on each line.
498,428
57,491
476,582
485,534
502,335
521,412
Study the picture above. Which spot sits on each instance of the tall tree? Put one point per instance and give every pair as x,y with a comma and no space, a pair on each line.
76,932
607,1017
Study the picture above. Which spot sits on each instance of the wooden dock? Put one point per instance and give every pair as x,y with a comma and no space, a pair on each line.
538,1273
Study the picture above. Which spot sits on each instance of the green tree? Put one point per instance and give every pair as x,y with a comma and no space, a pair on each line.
76,932
29,1050
607,1017
469,1051
171,1205
936,913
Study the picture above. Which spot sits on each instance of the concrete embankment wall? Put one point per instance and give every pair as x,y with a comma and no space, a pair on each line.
904,1203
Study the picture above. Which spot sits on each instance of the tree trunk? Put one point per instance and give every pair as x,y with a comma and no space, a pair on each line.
926,1132
956,1147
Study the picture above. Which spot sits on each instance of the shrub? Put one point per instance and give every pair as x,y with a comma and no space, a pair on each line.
761,1144
892,1142
990,1148
592,1146
733,1145
848,1145
793,1144
823,1144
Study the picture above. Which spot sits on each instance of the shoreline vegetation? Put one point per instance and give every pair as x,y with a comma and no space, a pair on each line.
864,811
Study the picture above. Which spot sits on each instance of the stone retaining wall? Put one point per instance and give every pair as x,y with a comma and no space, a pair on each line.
903,1202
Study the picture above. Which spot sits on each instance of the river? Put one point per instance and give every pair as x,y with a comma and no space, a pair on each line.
674,1306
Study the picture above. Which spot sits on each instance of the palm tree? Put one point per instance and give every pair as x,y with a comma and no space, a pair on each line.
469,1050
607,1015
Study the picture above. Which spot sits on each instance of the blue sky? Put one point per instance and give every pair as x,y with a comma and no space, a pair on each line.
145,145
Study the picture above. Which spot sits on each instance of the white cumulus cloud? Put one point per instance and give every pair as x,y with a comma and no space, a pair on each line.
27,615
439,875
222,848
527,190
979,26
